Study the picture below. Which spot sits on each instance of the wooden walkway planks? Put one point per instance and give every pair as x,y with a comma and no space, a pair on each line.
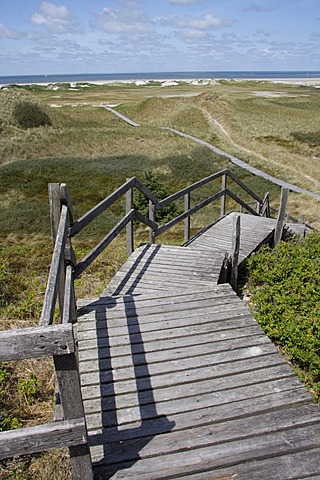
180,381
163,267
254,231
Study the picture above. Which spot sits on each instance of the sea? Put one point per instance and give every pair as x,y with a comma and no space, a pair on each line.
94,77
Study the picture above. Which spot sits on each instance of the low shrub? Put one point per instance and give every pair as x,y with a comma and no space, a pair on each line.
30,115
156,183
285,287
21,109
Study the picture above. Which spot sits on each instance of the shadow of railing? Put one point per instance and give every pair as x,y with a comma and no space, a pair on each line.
121,440
131,279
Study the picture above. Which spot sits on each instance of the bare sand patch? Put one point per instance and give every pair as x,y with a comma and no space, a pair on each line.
276,94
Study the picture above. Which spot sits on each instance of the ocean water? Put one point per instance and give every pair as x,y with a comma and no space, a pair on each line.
87,77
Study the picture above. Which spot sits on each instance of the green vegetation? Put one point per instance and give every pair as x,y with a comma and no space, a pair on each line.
155,182
285,287
21,109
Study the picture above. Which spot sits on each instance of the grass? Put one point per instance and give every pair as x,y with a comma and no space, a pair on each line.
94,152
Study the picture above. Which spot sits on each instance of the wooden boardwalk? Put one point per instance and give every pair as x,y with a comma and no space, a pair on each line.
178,379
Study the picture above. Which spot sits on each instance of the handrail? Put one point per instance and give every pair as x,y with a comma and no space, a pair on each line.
243,204
190,188
188,213
101,207
91,256
244,187
110,200
56,341
51,289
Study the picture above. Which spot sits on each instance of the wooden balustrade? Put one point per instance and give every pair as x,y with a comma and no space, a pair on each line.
56,341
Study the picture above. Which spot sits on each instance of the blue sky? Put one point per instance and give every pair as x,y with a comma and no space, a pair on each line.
118,36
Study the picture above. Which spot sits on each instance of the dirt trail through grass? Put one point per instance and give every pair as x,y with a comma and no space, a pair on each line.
252,152
233,159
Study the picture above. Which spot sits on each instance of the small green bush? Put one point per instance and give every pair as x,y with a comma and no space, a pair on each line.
21,109
29,388
285,283
155,182
30,115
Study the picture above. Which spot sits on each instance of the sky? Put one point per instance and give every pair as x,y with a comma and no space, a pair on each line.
136,36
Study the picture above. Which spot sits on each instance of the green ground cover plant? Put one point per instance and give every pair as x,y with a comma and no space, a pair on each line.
285,287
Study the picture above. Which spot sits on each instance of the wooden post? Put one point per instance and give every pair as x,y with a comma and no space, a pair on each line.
67,372
55,211
152,217
187,220
235,251
265,207
281,216
129,227
70,256
224,197
258,207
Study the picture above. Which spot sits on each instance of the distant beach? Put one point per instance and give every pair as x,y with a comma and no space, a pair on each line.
298,77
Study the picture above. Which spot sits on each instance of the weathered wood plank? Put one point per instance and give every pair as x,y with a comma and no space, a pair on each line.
215,292
68,379
120,310
235,250
129,226
204,414
239,360
105,301
244,409
36,342
280,467
194,375
184,391
176,353
56,266
41,438
55,203
94,337
149,321
223,455
281,215
88,352
212,434
92,372
69,313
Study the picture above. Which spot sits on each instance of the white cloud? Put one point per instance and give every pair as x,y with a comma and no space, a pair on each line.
207,21
129,18
10,33
56,19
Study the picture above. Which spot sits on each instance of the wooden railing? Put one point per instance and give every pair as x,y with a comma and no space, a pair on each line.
58,340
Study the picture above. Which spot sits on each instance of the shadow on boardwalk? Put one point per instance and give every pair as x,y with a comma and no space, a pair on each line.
120,445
